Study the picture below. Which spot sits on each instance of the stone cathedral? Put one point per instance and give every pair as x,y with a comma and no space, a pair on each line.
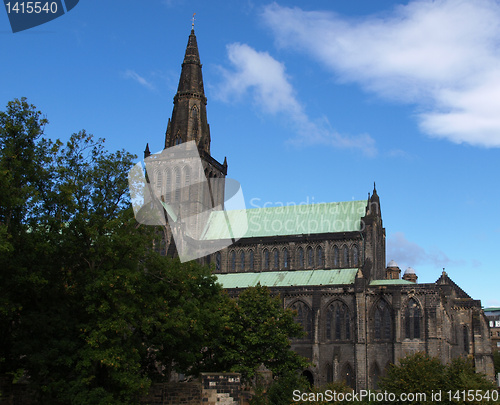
327,262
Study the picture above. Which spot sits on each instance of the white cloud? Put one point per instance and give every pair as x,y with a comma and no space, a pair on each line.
130,74
408,253
441,55
265,78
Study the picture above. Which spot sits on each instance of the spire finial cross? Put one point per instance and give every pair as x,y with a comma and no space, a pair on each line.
193,19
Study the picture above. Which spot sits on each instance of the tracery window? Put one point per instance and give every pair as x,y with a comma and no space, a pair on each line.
382,321
168,187
187,181
242,260
159,180
338,321
285,258
233,261
310,257
346,256
250,261
177,184
412,320
355,255
217,261
266,259
335,256
304,317
276,259
319,257
300,258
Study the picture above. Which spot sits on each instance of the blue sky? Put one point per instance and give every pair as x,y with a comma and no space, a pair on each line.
310,102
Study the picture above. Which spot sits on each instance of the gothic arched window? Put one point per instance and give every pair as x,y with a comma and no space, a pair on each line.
242,260
285,258
159,181
304,317
168,186
187,181
300,258
194,115
177,184
355,255
266,259
233,260
319,257
177,141
466,338
346,256
217,261
338,321
335,256
310,257
250,261
329,373
348,375
276,259
382,328
412,320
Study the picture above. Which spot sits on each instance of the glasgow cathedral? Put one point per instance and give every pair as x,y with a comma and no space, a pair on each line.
327,262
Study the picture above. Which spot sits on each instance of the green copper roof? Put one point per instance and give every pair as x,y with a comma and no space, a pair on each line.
288,278
288,220
390,282
493,309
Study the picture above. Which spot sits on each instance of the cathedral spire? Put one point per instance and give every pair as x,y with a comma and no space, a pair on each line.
189,116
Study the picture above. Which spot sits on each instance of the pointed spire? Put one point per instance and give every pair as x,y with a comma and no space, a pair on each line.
189,116
192,55
146,151
373,205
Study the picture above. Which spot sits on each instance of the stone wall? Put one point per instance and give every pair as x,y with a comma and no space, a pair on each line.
210,389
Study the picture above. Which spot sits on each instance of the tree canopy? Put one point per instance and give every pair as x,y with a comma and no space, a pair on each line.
90,313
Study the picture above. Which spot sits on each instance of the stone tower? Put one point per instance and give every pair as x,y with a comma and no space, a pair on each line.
180,182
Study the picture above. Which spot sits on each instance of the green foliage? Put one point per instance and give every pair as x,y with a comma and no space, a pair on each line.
257,330
417,373
280,392
420,373
89,313
496,361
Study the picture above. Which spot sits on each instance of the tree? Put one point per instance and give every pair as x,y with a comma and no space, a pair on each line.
23,170
496,361
418,373
89,312
257,330
421,373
